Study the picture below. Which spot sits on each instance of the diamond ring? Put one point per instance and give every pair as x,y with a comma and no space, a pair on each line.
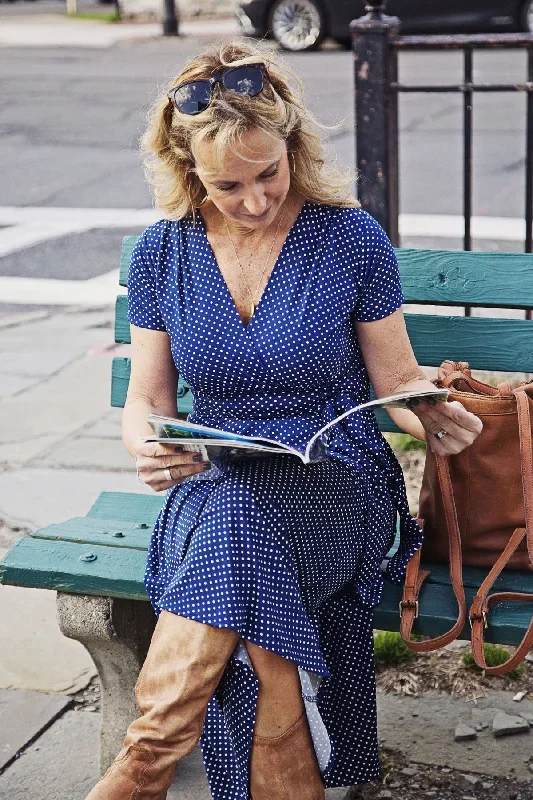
441,434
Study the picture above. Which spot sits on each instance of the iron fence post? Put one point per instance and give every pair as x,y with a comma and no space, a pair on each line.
170,18
376,115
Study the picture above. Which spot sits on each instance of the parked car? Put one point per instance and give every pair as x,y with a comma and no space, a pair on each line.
303,24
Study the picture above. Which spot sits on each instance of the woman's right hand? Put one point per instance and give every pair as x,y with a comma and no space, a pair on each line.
153,458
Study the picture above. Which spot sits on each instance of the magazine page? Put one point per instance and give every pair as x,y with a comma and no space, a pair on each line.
400,400
193,436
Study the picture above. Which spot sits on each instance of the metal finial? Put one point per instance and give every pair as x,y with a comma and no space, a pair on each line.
375,8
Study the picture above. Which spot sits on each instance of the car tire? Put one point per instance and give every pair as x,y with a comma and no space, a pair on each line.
526,16
297,25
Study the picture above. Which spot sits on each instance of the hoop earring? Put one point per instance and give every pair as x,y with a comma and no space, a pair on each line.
293,162
206,198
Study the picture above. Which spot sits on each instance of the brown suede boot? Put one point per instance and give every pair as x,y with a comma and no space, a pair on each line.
182,669
285,767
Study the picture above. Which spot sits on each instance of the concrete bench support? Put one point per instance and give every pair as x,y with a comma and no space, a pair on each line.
117,634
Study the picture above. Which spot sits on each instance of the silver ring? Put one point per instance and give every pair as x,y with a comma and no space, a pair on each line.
139,477
168,475
440,434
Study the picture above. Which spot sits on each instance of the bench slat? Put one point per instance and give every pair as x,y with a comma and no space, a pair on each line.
455,277
486,343
449,277
128,243
438,613
44,564
120,378
128,507
119,572
95,530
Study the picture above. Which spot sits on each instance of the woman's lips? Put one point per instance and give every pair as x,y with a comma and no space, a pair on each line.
260,216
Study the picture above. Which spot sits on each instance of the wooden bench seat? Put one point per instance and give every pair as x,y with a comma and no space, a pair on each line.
97,562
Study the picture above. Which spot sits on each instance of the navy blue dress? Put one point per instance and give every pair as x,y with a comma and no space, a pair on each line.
287,554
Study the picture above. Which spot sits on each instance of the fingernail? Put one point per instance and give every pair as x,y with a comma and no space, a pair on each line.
198,458
178,448
207,466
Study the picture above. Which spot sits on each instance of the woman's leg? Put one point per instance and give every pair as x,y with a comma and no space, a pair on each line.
279,703
182,669
283,761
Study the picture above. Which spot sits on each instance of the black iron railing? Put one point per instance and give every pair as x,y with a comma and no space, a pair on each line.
376,47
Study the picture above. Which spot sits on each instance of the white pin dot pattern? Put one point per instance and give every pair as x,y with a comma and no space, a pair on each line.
286,554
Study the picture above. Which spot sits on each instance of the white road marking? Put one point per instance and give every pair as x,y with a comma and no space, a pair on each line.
30,226
502,229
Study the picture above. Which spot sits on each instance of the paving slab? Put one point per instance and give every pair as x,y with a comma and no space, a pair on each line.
23,716
423,728
35,655
84,452
40,347
37,497
61,765
32,423
49,769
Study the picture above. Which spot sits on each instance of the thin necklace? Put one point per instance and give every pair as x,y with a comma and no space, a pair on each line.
251,295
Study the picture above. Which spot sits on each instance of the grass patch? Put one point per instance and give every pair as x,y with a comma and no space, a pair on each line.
390,649
403,442
494,656
98,16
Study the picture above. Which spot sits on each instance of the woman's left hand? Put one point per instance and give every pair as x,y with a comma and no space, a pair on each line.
457,427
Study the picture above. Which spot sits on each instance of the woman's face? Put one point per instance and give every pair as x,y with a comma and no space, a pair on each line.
249,192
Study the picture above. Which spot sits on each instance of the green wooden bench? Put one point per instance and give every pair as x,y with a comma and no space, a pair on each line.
96,563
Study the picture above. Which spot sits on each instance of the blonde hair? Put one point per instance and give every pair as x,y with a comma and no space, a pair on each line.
171,140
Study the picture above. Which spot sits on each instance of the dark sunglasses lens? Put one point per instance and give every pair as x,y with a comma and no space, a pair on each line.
193,97
244,80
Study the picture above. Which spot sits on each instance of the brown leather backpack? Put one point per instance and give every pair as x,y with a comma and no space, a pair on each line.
476,507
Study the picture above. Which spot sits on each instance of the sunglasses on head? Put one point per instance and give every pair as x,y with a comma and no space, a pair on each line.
193,97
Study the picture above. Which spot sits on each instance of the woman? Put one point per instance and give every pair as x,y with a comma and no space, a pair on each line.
278,299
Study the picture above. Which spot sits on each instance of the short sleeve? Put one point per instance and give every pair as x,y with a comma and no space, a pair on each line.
143,306
380,289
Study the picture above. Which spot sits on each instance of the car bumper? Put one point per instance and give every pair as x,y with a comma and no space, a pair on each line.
252,18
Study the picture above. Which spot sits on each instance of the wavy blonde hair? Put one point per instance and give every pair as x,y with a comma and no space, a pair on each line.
171,141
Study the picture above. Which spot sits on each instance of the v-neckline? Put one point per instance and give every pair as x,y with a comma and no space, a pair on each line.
268,286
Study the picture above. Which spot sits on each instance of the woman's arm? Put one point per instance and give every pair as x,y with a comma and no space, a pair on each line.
392,367
153,389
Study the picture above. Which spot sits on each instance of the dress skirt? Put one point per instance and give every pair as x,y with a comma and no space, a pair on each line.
276,550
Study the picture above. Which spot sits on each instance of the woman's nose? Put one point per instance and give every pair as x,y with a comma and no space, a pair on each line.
256,202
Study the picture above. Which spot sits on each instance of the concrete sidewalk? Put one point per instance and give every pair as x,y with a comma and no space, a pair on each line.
57,30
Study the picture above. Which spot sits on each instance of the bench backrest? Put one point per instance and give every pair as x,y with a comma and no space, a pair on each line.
429,277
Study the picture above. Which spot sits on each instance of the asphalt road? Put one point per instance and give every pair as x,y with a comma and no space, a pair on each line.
70,122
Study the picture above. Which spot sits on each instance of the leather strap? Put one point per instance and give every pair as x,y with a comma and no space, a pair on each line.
480,609
415,576
526,457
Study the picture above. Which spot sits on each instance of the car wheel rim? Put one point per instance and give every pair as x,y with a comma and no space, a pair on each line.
296,24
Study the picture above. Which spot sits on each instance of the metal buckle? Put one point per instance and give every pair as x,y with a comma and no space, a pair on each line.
483,617
405,604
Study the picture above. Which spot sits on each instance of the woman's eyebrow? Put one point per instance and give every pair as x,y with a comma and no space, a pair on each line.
266,169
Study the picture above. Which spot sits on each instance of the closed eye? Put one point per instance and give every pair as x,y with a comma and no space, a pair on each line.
263,176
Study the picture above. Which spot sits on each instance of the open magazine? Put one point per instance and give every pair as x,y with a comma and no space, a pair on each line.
213,442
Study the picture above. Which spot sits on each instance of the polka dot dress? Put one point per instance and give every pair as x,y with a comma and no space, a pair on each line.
287,554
